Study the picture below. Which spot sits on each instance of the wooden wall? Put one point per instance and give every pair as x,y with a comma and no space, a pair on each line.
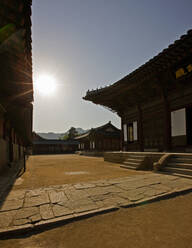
54,148
153,118
102,144
155,131
9,141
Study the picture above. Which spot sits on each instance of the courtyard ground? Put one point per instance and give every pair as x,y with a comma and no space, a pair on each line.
46,170
163,224
57,188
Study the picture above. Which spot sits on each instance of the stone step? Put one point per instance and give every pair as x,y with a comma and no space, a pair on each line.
178,170
185,156
175,174
128,167
180,161
134,160
179,165
130,163
182,175
137,156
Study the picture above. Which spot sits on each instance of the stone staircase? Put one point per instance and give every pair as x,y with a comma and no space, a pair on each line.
179,165
133,161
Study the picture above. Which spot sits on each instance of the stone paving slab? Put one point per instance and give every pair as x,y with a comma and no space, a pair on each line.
28,209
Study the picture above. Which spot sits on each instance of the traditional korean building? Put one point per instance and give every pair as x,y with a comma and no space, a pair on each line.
154,101
50,146
16,87
103,138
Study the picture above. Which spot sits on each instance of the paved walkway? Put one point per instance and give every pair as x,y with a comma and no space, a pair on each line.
23,210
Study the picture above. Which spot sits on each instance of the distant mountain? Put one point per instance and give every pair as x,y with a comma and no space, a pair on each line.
52,135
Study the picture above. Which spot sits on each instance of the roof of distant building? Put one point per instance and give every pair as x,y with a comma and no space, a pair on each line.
106,129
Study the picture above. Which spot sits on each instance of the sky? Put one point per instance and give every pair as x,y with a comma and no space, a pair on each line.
86,44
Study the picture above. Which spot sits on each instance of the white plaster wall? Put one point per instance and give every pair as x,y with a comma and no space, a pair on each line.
125,132
178,122
135,136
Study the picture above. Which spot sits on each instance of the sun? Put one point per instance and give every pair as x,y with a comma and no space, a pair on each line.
45,84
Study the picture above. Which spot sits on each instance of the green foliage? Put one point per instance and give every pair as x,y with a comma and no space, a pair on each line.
72,133
65,137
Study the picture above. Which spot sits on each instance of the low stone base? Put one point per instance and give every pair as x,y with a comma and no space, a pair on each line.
120,157
92,154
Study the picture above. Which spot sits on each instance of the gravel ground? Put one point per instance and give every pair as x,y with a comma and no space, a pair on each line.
46,170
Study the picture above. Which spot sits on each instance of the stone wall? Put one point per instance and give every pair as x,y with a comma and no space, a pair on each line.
114,157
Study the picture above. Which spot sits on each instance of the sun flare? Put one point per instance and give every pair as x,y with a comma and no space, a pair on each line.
46,84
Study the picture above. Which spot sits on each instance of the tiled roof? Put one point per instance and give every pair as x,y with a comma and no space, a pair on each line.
83,135
100,129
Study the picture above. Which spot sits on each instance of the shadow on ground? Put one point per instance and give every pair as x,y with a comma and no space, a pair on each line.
7,180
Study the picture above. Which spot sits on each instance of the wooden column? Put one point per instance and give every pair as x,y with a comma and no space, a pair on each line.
121,137
167,125
111,144
11,156
140,129
162,81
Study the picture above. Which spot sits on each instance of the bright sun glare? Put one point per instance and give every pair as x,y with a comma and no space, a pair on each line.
45,85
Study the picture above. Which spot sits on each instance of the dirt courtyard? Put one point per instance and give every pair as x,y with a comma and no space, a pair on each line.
163,224
45,170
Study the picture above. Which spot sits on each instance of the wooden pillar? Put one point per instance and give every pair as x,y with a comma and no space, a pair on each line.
121,136
140,129
162,80
111,144
167,125
10,145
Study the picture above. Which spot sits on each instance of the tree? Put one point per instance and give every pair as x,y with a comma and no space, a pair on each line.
72,133
65,137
